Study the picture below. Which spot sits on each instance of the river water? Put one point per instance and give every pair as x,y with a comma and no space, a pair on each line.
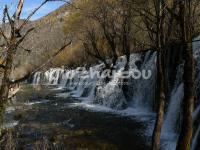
39,119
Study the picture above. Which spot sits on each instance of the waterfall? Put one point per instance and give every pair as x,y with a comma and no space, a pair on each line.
36,78
110,94
196,113
79,87
195,139
173,112
64,78
53,76
144,89
170,129
172,121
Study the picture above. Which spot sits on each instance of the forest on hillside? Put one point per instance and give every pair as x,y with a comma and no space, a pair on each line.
90,59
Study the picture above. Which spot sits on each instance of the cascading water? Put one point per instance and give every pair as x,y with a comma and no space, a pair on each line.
144,88
142,91
53,75
171,124
172,121
110,94
173,111
195,139
196,113
64,78
196,136
36,78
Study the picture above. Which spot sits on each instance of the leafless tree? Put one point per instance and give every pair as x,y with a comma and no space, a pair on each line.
158,22
13,33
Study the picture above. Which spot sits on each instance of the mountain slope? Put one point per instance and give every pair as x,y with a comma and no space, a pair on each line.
47,37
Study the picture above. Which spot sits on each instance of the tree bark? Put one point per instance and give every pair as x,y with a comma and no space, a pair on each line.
161,106
160,74
185,136
4,91
126,29
6,77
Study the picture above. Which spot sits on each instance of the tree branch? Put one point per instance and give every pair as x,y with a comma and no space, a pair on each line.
19,10
11,22
31,14
25,49
37,69
25,35
4,36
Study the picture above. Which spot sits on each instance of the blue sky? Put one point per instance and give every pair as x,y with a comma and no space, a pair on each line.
29,6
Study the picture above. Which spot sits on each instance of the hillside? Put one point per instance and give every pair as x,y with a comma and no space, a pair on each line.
47,37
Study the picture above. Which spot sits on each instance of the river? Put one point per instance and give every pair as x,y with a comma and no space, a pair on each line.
38,119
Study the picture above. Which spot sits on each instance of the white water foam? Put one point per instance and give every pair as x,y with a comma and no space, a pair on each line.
36,102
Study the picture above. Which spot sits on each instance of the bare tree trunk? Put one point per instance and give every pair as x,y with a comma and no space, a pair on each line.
12,41
11,47
4,91
185,136
188,101
161,106
160,74
126,50
126,29
6,77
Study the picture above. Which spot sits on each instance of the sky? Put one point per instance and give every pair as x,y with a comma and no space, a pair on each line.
29,6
